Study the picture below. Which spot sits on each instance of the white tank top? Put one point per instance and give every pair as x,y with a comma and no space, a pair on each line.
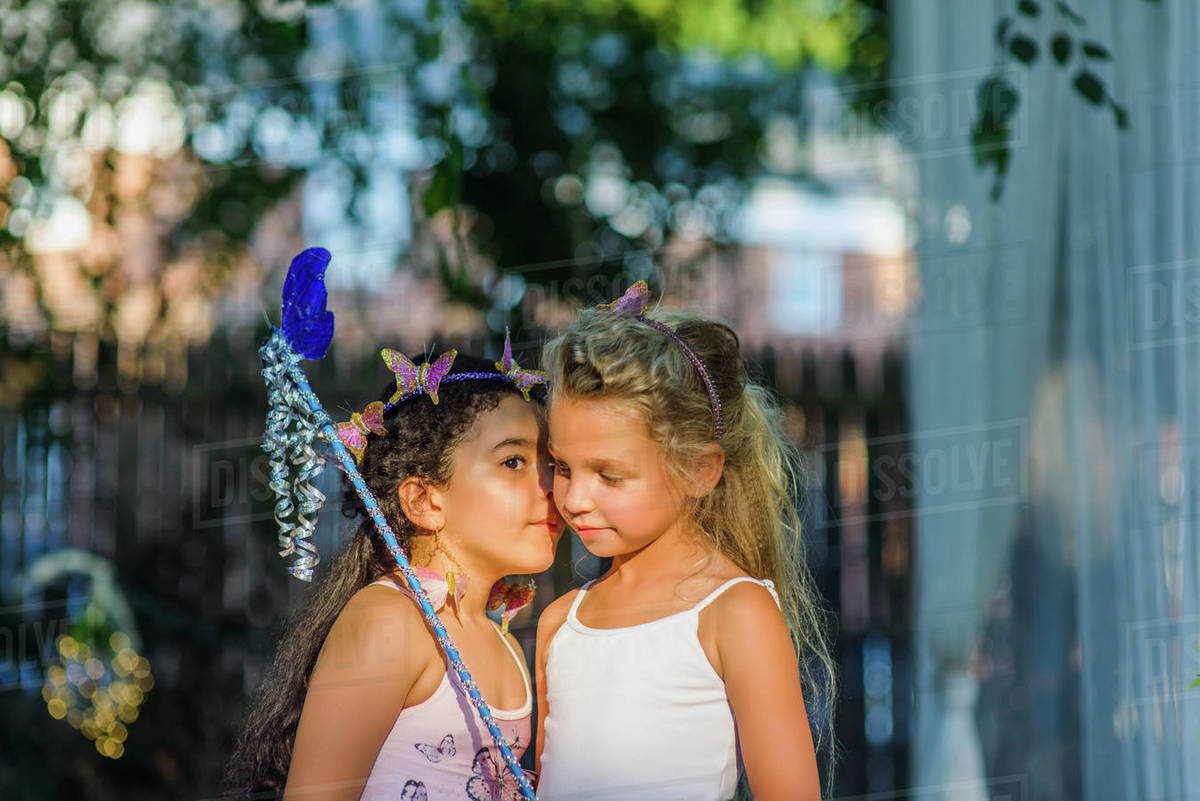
637,712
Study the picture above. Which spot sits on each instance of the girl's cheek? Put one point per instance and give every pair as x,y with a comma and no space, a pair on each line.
560,490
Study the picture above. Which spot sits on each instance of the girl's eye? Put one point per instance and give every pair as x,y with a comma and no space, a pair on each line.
610,479
561,469
514,462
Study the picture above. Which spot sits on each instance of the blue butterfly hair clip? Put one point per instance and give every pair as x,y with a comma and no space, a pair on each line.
307,325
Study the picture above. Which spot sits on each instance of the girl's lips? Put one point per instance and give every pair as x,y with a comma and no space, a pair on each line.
584,531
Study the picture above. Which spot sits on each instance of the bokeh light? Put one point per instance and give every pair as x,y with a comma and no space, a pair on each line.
100,698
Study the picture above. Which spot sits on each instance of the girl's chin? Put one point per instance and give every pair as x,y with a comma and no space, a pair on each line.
600,552
532,561
606,547
542,564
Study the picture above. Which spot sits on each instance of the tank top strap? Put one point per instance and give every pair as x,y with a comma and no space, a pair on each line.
712,596
520,663
395,581
573,612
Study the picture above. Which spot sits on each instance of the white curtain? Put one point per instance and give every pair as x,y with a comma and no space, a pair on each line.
1060,325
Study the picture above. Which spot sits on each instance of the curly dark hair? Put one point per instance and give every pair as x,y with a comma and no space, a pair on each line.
420,441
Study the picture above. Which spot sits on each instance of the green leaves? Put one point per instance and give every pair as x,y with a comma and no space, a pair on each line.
1023,48
1002,30
1090,87
1120,115
991,134
1070,14
1060,47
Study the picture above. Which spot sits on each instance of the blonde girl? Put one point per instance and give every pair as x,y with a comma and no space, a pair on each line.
690,661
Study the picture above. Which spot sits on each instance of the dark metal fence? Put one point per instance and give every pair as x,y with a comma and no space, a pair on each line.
153,462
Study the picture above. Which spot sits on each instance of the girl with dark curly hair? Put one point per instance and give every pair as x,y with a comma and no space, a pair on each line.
360,702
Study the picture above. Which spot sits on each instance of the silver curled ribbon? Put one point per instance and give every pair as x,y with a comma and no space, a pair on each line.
288,440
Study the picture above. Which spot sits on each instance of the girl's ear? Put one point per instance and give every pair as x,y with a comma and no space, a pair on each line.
421,504
706,470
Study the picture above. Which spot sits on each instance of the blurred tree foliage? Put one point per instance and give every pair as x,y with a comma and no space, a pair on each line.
582,134
560,138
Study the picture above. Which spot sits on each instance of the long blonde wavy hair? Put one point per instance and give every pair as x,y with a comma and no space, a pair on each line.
751,516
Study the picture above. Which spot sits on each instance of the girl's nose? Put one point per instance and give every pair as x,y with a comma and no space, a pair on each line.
572,498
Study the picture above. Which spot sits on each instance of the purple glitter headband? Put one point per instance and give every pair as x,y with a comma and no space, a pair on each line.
413,379
633,304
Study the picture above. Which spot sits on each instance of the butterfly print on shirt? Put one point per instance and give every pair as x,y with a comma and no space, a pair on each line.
491,779
414,791
436,753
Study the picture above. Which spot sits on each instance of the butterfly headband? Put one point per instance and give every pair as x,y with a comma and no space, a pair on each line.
633,304
413,379
296,420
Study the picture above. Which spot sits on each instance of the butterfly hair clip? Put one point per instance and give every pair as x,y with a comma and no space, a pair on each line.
353,433
412,379
511,599
633,304
523,380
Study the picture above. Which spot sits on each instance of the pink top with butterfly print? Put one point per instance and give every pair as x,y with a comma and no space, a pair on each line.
441,749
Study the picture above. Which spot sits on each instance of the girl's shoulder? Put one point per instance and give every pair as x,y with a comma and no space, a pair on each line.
552,619
555,614
744,608
743,617
733,597
376,642
376,614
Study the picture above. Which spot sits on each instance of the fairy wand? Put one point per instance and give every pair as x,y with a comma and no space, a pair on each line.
295,419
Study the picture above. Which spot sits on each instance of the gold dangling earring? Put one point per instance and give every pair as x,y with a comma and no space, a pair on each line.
453,580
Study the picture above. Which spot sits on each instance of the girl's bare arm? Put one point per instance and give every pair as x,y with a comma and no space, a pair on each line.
758,664
375,652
